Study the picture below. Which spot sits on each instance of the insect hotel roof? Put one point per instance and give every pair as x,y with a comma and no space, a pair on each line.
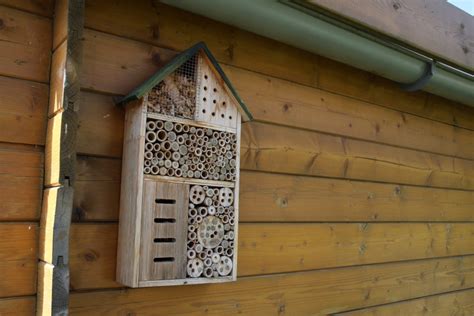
177,62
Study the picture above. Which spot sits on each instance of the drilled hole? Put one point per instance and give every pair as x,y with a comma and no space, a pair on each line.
230,117
164,240
205,76
165,220
203,110
214,101
215,90
205,88
213,114
222,115
165,201
163,259
204,99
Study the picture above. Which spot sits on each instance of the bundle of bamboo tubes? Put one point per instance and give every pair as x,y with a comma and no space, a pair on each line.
181,150
211,220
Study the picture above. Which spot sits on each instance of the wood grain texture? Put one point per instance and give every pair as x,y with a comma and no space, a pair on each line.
21,182
18,259
52,172
266,197
283,102
100,127
131,191
279,149
23,111
149,230
456,303
25,43
41,7
58,75
164,26
422,24
280,101
18,306
304,152
278,248
317,292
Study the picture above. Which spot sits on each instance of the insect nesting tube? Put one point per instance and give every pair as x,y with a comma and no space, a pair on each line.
208,262
150,136
191,254
149,146
208,272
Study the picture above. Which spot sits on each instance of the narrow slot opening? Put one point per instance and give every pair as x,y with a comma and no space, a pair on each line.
165,220
158,240
165,201
163,259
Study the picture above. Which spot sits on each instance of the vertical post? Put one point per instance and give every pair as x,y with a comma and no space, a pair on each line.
53,274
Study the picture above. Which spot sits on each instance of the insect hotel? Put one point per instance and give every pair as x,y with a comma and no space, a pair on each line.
180,176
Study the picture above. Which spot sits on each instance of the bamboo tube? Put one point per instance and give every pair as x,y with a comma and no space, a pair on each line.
159,124
202,211
163,171
199,248
175,165
170,172
178,172
191,254
150,125
180,139
202,255
161,135
199,132
168,126
192,212
185,128
229,252
208,263
178,127
166,145
167,155
147,170
148,146
155,170
174,146
198,219
197,174
175,156
148,155
147,163
154,161
150,136
172,136
211,210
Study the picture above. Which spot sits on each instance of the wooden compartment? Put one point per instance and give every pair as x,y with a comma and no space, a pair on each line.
180,176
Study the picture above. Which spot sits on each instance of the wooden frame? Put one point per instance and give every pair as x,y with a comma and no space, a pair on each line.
152,256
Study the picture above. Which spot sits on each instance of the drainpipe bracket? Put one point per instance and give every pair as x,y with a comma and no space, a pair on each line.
419,83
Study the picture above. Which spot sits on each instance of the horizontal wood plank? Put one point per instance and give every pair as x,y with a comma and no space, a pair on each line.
271,148
21,183
18,306
266,197
23,111
281,149
18,259
278,101
456,303
158,24
100,127
41,7
421,24
25,45
315,292
277,248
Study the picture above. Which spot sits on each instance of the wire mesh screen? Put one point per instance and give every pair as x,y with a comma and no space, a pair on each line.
176,94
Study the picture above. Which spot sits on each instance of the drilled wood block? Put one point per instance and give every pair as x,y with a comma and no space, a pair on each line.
163,234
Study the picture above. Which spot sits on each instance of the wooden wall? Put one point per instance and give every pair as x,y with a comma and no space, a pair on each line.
354,194
25,46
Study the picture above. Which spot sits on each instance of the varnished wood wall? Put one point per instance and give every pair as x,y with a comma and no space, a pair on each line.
25,54
354,194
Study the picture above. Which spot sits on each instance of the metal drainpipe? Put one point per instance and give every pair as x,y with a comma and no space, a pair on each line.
287,22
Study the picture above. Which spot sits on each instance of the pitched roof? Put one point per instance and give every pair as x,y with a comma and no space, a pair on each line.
174,64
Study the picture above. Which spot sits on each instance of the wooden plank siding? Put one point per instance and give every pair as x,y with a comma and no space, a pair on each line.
421,24
354,194
317,292
455,303
167,27
25,46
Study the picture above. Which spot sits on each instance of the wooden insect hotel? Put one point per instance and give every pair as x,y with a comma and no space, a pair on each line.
180,175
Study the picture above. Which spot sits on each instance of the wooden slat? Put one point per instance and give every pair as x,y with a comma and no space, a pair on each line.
17,306
279,101
100,127
317,292
456,303
52,150
41,7
299,151
273,148
56,92
271,197
277,248
158,24
25,43
421,24
21,182
283,102
18,259
23,111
